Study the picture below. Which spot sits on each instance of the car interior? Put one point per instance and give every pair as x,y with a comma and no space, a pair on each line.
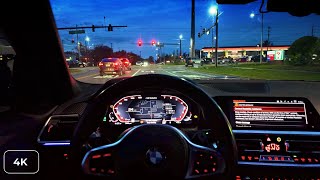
54,126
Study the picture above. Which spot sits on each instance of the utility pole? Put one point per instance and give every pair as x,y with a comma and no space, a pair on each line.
312,30
261,40
269,28
180,49
217,37
193,29
212,45
111,45
78,45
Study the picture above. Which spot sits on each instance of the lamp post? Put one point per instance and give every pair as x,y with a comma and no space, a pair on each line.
213,10
252,15
180,38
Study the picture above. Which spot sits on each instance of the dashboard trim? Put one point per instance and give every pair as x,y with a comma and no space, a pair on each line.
56,144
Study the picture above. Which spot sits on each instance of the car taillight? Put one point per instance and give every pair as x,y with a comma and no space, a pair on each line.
100,64
115,64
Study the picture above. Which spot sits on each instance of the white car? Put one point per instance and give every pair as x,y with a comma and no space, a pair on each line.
146,63
139,63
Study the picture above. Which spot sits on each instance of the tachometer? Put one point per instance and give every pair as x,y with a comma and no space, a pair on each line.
163,109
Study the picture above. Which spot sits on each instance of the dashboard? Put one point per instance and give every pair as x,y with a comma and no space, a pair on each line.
270,132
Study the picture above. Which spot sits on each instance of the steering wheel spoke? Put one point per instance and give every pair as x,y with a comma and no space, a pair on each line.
204,161
100,161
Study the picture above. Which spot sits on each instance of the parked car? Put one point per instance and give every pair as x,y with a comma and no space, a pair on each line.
243,59
224,60
111,66
76,63
126,63
139,63
207,60
193,61
82,64
257,58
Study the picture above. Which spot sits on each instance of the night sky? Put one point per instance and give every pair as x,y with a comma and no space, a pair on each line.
165,20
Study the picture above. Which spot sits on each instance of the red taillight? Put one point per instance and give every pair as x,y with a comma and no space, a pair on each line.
115,64
126,62
100,64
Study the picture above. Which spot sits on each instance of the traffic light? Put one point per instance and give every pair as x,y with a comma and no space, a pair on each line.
72,41
110,28
139,43
93,28
153,43
199,35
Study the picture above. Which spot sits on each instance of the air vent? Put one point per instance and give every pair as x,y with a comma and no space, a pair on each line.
58,130
249,145
295,146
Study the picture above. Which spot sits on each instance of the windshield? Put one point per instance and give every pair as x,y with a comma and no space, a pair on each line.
218,42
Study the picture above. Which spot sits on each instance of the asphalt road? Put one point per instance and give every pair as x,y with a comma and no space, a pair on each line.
91,74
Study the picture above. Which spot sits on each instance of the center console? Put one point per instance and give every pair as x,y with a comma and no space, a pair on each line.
274,133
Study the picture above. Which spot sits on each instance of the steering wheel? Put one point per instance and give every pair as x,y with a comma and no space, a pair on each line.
154,151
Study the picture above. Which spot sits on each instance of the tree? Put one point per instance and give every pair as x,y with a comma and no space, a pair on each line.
133,57
71,54
267,43
302,51
150,59
120,54
99,52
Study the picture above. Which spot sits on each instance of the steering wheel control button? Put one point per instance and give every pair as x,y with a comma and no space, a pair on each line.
205,163
21,162
102,163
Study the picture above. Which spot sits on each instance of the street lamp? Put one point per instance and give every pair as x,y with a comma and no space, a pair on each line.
180,38
213,11
252,15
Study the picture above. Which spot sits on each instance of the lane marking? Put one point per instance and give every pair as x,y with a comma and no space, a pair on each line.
172,74
82,77
106,76
136,72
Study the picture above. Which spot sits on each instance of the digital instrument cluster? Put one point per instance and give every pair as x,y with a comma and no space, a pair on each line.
140,109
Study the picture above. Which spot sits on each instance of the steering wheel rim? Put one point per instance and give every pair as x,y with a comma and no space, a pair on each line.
211,110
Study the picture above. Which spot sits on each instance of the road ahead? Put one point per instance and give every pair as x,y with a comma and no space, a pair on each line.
91,74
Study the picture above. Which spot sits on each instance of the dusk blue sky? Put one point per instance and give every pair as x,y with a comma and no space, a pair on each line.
165,20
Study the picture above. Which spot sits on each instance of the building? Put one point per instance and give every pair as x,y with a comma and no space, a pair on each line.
240,51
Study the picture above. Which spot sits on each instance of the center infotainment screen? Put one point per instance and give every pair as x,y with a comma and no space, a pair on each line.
269,112
248,113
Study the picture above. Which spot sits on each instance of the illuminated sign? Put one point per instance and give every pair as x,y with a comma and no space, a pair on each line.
275,55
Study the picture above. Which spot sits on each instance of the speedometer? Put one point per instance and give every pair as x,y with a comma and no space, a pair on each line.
163,109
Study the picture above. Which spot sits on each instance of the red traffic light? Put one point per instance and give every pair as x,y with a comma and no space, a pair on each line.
153,43
140,43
